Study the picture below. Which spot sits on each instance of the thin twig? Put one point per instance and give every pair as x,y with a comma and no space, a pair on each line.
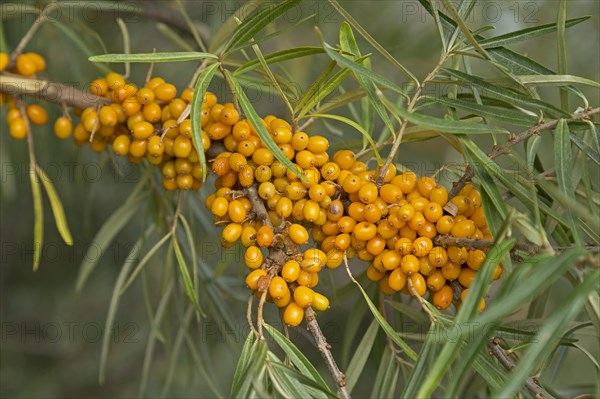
532,384
577,116
421,301
409,108
325,350
249,313
27,37
58,93
463,181
446,240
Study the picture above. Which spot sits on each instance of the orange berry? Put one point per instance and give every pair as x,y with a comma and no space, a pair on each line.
37,114
264,236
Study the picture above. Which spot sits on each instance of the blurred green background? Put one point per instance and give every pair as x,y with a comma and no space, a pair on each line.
50,343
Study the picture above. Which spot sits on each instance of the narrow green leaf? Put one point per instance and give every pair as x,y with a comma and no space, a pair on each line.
361,355
148,255
361,70
464,28
438,25
447,125
321,91
106,234
300,380
250,374
256,22
191,26
409,311
372,41
515,187
130,261
200,88
428,352
536,274
387,376
353,124
153,57
57,207
242,12
386,326
563,161
256,122
38,220
280,56
556,80
549,334
271,76
562,49
297,384
151,343
126,43
504,94
244,360
466,313
188,284
505,115
525,34
348,44
296,356
314,88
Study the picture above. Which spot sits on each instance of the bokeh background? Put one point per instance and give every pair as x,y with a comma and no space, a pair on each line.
51,335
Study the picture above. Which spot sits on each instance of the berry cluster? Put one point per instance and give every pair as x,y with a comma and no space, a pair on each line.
27,64
394,225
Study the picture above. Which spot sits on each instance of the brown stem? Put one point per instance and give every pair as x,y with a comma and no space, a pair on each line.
457,186
532,384
421,301
325,350
578,116
446,240
15,85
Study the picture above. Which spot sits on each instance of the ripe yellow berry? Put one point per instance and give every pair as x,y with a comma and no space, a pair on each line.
278,288
298,234
121,145
37,114
397,279
304,296
290,271
232,232
293,314
443,297
320,302
253,277
4,60
63,127
253,257
25,65
219,206
18,129
264,236
418,284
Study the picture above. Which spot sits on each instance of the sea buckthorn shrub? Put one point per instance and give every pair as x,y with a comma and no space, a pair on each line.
394,226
